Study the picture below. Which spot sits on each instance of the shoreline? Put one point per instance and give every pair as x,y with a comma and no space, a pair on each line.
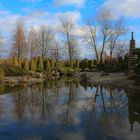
113,79
19,80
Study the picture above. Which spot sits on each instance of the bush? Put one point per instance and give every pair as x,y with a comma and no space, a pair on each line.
26,64
137,67
66,70
12,70
32,65
40,64
2,74
15,61
119,66
19,63
47,64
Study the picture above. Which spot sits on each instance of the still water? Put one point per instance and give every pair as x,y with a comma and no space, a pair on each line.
69,109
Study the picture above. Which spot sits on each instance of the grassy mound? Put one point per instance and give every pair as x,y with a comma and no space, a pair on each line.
11,70
66,70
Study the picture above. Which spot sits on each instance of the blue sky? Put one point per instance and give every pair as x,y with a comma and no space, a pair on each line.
37,12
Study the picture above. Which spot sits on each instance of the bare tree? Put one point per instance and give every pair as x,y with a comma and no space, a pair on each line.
67,27
19,46
104,21
2,44
118,29
90,36
44,40
32,42
57,50
103,32
121,49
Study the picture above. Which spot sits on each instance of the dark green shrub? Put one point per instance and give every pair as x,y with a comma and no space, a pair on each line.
66,70
47,64
137,67
2,74
12,70
32,65
40,64
119,65
15,61
26,64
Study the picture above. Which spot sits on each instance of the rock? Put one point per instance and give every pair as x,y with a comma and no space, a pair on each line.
25,79
86,70
10,81
105,74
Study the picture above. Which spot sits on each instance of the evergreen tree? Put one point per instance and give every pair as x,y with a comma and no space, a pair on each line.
77,64
32,65
0,61
48,64
40,63
86,63
15,61
2,74
52,63
26,64
19,62
137,66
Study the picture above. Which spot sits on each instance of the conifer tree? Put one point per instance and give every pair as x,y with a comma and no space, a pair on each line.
40,63
2,74
77,64
52,63
26,64
19,63
48,64
0,61
32,65
15,61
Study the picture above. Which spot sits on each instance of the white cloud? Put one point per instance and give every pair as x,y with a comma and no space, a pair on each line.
32,1
37,18
127,8
78,3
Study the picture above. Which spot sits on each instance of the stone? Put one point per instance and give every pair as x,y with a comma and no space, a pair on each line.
25,79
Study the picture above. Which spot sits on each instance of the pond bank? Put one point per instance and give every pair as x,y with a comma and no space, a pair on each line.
18,80
111,79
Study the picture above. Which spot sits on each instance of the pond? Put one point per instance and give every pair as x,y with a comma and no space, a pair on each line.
69,109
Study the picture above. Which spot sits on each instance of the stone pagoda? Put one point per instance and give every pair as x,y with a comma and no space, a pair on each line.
131,57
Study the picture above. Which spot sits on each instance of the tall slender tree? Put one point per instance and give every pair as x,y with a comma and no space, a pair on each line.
67,28
32,42
44,40
19,46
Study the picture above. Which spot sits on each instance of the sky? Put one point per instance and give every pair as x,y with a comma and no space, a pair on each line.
48,12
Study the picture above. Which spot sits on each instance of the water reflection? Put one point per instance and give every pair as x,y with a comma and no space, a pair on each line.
69,108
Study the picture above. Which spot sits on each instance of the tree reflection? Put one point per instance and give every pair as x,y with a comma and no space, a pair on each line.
72,102
69,105
20,100
107,104
134,108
